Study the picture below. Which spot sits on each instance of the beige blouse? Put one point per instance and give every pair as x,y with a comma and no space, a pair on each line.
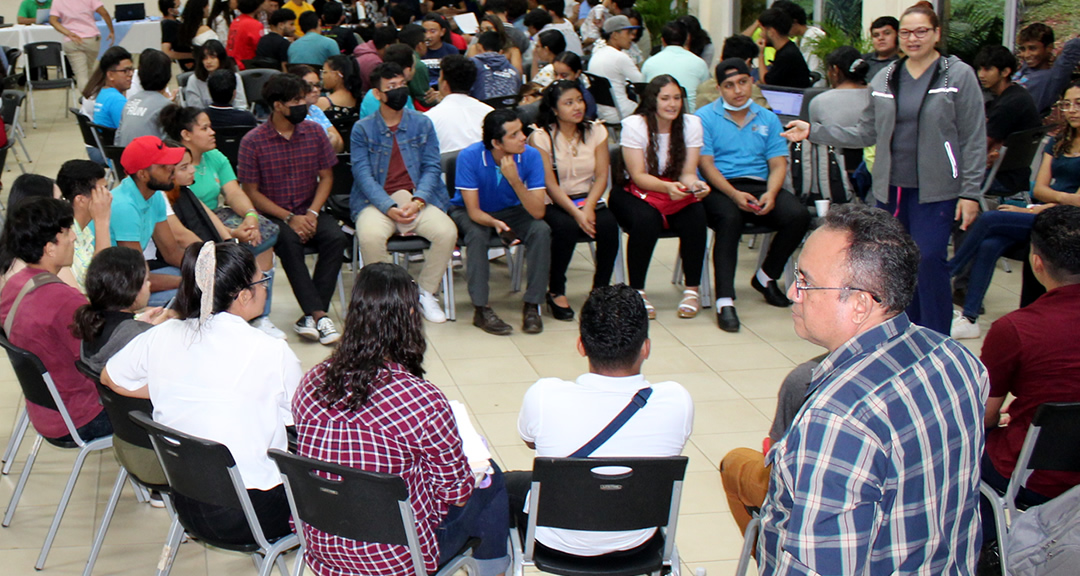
575,160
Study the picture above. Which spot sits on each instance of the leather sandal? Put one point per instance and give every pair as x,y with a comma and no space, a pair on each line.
649,309
690,304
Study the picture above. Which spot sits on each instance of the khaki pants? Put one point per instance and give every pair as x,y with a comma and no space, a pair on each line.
746,482
373,229
83,57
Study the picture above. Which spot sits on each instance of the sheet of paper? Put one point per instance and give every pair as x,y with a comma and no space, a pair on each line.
467,23
476,451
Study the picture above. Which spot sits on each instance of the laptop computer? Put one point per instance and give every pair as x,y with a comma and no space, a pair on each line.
128,12
785,102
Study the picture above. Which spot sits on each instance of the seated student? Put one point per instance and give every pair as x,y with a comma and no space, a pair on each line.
83,184
576,177
140,116
24,187
397,186
401,55
744,48
498,9
459,118
341,80
311,47
536,21
744,158
190,220
315,114
547,48
556,9
118,286
209,58
286,168
495,76
664,191
567,66
559,418
370,54
221,85
139,210
609,61
438,43
1011,110
274,45
883,37
506,46
244,31
996,232
115,70
420,89
369,407
332,18
1030,354
211,375
501,188
681,63
1044,76
36,308
788,67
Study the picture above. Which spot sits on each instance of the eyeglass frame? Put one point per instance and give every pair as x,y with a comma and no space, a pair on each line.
801,286
919,33
123,70
265,281
1068,105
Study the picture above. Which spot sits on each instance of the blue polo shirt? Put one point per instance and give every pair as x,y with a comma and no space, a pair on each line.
478,170
742,152
133,217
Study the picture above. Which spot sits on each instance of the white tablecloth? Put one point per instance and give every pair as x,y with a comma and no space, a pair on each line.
136,36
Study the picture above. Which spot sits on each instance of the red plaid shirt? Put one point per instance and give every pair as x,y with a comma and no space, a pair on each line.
407,428
285,170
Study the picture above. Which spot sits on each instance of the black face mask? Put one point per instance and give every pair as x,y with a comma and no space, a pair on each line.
397,98
297,113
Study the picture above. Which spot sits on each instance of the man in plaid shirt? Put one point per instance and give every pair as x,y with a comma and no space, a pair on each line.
879,473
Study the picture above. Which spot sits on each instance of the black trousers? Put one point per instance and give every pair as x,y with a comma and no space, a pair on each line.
312,290
644,225
219,524
789,218
565,234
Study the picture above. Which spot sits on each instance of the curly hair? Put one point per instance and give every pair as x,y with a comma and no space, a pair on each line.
383,326
676,141
1068,134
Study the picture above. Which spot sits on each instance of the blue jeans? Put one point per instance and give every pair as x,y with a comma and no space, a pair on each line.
929,225
991,236
486,516
163,297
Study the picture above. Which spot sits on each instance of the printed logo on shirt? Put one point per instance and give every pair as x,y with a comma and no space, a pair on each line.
760,129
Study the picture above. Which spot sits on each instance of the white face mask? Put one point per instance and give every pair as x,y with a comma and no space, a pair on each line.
737,108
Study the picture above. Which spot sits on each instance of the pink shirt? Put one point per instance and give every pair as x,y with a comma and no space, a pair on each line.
77,16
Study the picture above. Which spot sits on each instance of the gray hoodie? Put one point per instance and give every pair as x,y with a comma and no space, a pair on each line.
952,132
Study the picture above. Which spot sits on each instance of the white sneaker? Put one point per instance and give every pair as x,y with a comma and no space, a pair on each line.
305,327
964,329
328,333
433,312
263,323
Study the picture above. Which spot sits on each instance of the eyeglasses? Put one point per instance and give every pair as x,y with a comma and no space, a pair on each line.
264,281
918,33
1069,105
802,286
129,70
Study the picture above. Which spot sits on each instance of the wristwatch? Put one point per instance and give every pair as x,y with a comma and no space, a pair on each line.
289,217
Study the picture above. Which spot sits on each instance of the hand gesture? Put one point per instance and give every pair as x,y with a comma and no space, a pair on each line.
966,212
761,43
700,189
676,190
766,203
588,219
746,202
251,222
100,203
400,215
500,226
797,131
509,169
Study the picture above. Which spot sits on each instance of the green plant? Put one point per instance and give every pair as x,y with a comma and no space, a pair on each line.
845,14
656,13
835,37
972,25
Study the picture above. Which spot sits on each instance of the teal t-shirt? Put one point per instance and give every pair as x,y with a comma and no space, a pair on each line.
133,217
29,8
213,172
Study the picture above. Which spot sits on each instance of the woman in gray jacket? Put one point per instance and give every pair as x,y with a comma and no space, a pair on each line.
927,119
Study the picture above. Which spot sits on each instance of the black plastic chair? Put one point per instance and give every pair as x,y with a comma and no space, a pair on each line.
11,101
253,84
114,154
1017,153
44,55
1050,445
603,495
228,141
38,387
503,101
89,136
600,88
359,505
204,470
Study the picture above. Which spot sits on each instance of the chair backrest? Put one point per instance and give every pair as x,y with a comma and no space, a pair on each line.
600,88
13,55
606,494
195,468
359,505
228,141
338,202
12,100
88,136
1021,148
182,79
1056,426
40,54
808,95
31,373
449,170
503,101
253,83
114,153
105,134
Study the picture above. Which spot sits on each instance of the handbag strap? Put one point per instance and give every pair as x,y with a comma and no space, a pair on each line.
636,403
32,284
554,165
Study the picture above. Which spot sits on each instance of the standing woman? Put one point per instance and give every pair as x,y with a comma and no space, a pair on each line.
194,30
82,40
576,177
846,72
211,56
660,147
221,17
927,119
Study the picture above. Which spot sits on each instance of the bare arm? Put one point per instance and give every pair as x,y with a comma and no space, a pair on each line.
171,248
183,235
635,166
143,392
993,411
472,205
1044,193
158,282
108,22
60,28
220,226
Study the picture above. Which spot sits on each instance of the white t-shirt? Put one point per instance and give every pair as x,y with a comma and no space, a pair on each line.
226,382
635,134
459,121
560,417
618,68
573,41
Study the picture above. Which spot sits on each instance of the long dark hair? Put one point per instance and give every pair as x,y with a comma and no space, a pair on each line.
175,119
113,281
699,38
504,40
190,21
350,74
676,142
1068,134
221,8
383,326
849,64
232,275
110,58
212,48
547,116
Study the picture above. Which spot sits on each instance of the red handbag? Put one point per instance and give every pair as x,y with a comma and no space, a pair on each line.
661,200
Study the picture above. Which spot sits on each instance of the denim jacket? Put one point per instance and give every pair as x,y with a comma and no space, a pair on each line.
372,144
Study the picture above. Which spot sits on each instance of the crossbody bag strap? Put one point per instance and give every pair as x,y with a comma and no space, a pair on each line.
554,164
636,403
31,285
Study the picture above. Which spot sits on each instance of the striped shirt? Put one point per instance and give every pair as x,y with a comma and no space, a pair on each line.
879,473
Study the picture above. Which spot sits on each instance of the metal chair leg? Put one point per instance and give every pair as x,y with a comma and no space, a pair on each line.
749,538
14,502
17,433
106,519
449,305
84,451
168,552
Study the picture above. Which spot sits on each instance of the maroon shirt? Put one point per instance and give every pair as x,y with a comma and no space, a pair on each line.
397,176
1032,354
41,327
286,170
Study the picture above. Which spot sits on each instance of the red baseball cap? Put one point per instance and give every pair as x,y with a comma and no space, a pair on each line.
145,151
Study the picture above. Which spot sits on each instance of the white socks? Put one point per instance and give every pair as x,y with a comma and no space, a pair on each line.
763,277
721,302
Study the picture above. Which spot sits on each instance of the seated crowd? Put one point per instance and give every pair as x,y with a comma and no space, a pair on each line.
163,284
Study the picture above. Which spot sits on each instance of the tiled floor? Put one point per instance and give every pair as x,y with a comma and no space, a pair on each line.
732,377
